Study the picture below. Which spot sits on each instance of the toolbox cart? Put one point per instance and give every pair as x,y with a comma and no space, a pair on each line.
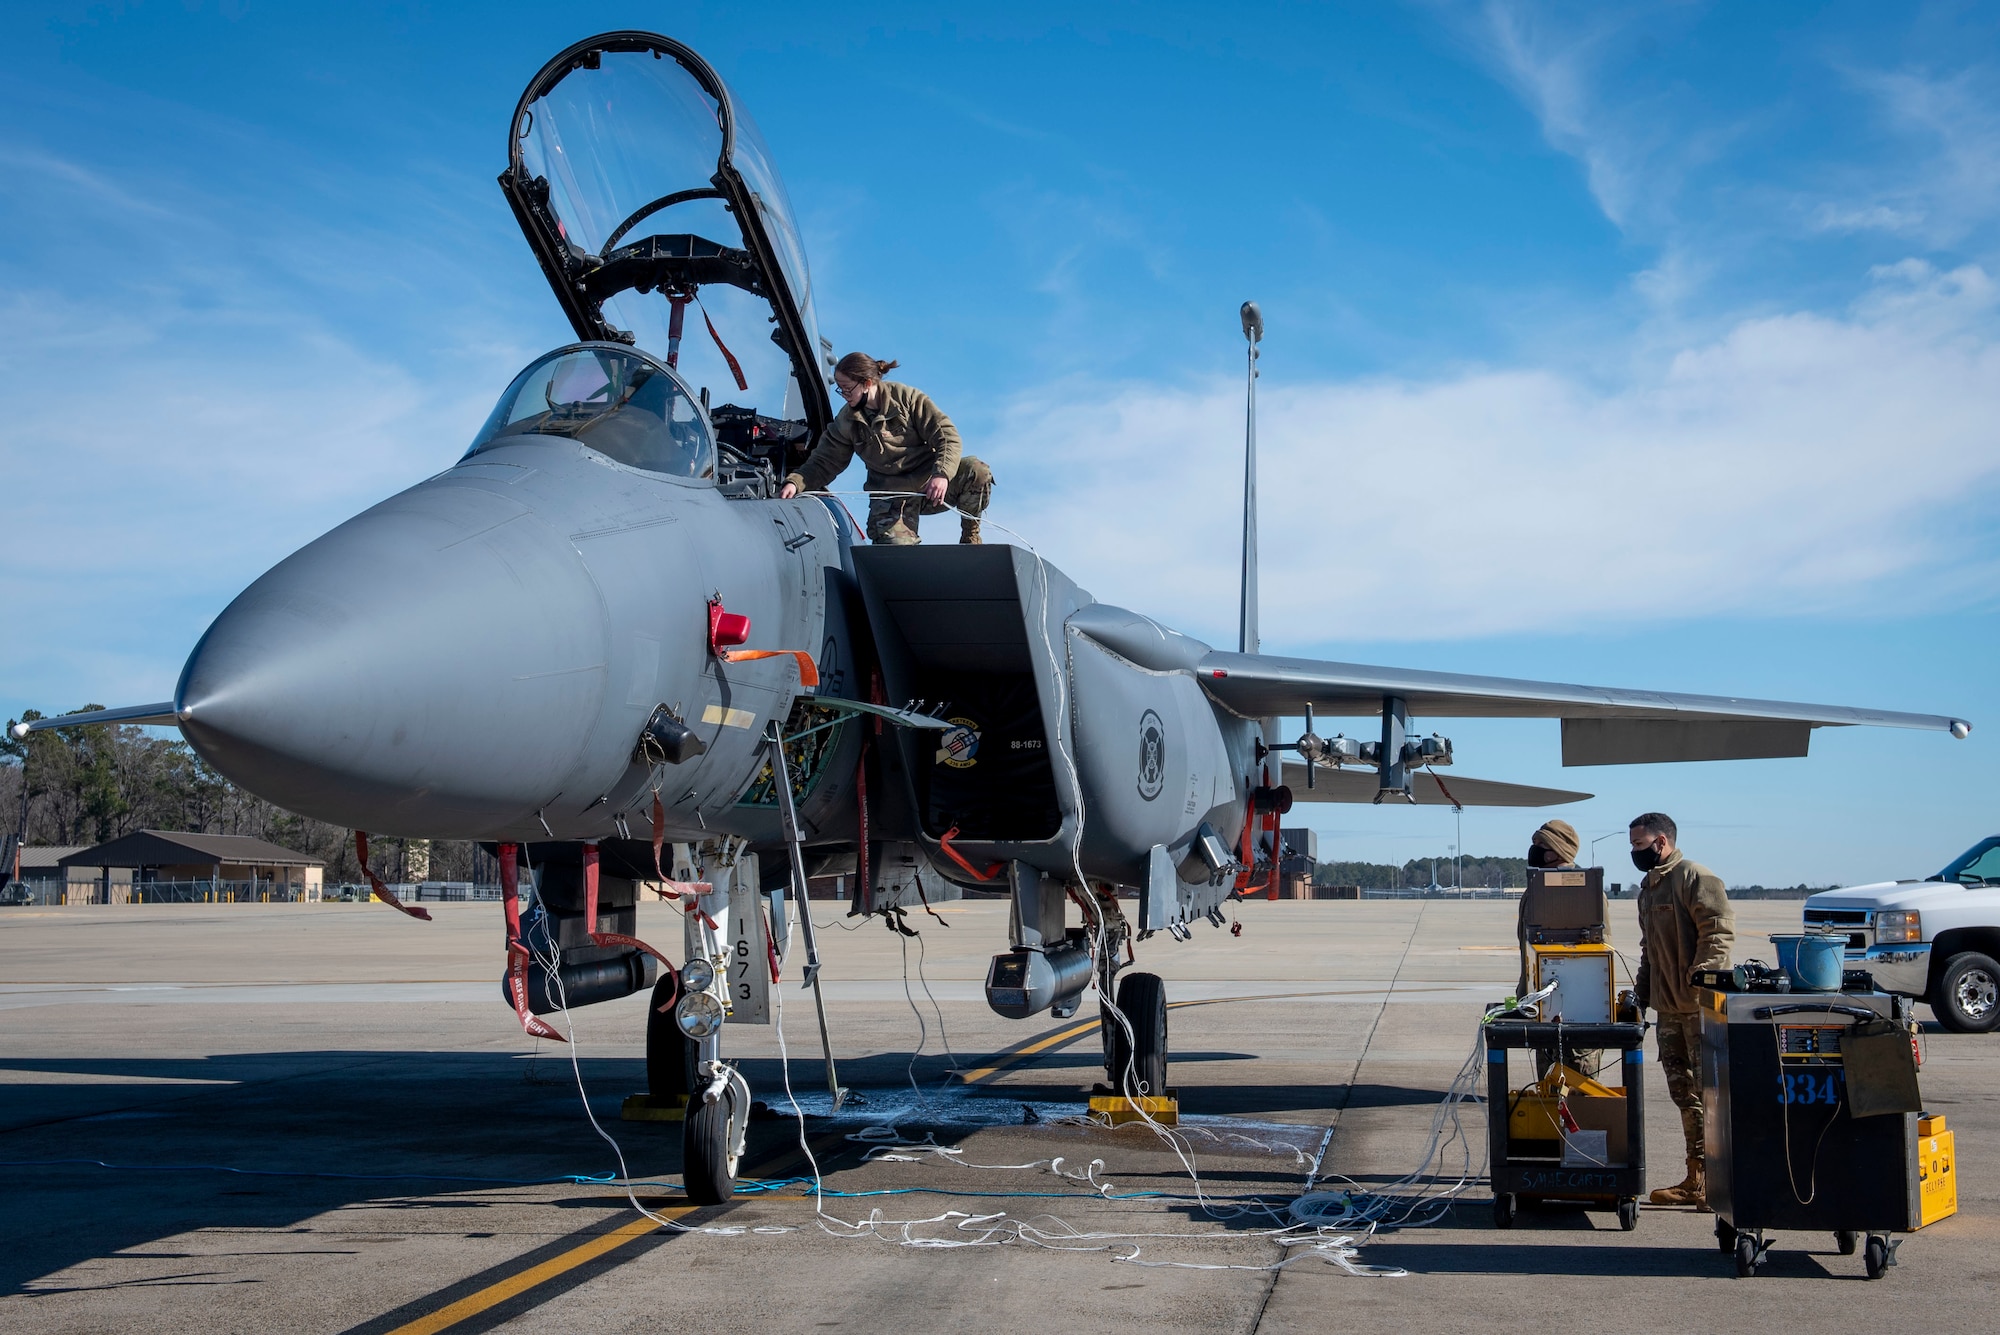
1782,1074
1565,1136
1589,1147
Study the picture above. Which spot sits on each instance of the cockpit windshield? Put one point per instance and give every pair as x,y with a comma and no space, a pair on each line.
612,400
650,199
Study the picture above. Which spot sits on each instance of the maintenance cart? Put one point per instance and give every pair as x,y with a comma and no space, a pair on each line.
1784,1076
1566,1137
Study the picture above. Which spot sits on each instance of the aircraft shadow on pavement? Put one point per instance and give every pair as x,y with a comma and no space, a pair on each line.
334,1130
415,1132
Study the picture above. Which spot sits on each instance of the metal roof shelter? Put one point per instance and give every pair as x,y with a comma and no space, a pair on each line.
45,859
170,848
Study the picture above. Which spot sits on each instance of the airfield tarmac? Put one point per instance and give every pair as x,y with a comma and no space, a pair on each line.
393,1134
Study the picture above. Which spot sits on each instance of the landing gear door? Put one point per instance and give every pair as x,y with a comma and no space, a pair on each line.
749,948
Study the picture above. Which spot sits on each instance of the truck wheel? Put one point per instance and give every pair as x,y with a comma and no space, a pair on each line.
1967,997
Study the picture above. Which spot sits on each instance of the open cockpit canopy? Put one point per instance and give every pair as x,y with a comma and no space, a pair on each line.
651,204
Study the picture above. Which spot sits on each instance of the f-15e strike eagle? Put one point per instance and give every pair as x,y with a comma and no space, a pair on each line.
600,644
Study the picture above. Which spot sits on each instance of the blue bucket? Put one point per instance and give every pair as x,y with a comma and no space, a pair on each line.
1814,960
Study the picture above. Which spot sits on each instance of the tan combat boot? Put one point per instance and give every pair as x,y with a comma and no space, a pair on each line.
1690,1191
968,531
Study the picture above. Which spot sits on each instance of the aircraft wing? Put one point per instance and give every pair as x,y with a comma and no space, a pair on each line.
161,715
1601,725
1364,786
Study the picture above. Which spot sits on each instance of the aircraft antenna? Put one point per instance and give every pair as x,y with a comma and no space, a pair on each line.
1253,334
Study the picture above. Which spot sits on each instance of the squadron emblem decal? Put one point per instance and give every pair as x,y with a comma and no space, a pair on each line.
1152,755
959,748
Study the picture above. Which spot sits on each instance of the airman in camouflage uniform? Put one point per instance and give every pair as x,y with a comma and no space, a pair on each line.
910,448
1685,924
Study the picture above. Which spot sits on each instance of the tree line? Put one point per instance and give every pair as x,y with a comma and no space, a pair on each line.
1416,873
88,785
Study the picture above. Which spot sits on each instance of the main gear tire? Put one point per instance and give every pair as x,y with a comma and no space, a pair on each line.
1137,1064
671,1056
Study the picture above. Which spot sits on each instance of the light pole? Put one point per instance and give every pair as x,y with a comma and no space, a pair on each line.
1253,334
1595,842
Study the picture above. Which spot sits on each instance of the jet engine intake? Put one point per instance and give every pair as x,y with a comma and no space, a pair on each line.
1025,982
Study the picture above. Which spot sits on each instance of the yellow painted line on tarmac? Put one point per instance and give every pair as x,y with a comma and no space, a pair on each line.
514,1285
1035,1047
517,1284
1027,1050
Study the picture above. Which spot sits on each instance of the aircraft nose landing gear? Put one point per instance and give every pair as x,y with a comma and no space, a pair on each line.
718,1119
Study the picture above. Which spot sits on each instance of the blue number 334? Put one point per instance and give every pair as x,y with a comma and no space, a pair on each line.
1809,1087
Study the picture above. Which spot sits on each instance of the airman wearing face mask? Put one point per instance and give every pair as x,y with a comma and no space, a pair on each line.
1554,845
1685,924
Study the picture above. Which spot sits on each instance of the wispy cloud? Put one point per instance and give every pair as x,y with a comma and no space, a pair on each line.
1796,463
180,420
1636,142
1946,174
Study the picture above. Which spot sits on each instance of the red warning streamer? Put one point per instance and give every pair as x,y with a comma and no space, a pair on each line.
517,948
598,938
382,891
808,670
944,842
723,348
686,895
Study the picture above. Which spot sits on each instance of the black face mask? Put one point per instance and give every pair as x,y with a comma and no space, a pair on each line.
1645,859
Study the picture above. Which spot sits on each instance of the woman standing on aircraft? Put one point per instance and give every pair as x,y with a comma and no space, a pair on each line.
911,450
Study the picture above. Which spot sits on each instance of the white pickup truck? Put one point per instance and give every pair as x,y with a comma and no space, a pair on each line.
1937,940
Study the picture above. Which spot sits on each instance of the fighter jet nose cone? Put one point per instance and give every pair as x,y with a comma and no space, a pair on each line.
426,665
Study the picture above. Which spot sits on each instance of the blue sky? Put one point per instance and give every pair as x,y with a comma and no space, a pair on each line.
1644,345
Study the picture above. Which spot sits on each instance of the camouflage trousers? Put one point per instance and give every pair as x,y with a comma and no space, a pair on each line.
892,517
1680,1057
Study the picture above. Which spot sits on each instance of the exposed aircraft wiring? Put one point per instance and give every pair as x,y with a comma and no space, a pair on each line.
953,1229
1097,919
990,1230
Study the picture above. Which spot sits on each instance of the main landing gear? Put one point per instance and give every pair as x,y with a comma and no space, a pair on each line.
1135,1062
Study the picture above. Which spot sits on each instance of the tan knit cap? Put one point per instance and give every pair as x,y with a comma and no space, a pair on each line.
1559,837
